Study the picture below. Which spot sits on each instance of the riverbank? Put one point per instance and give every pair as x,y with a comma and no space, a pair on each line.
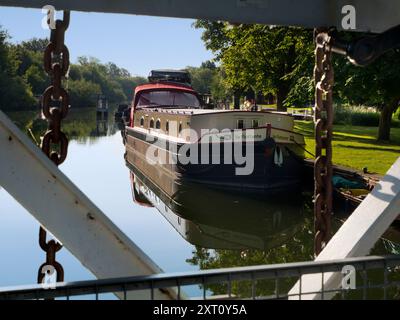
356,146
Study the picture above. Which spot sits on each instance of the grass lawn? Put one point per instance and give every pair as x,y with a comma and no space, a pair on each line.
356,147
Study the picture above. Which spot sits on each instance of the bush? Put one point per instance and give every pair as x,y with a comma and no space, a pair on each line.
367,119
83,94
396,115
356,116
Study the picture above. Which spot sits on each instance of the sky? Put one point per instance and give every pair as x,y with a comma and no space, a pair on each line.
136,43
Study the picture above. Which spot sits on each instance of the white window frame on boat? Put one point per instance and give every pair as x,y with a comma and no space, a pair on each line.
158,121
237,124
167,126
180,128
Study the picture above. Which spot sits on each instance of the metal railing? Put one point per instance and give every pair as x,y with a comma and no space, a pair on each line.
380,278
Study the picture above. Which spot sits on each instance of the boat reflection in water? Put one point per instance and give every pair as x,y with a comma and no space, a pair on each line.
228,229
213,219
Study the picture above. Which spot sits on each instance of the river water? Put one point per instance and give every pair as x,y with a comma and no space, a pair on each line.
203,229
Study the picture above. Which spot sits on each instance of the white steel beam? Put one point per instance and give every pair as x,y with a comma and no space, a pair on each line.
371,15
358,234
38,185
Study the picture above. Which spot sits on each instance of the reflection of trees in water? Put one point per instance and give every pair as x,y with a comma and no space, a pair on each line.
82,125
298,248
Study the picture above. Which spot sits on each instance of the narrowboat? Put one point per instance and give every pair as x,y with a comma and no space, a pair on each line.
170,133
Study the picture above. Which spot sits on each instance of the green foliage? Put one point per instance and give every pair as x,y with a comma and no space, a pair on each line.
128,85
30,57
83,93
37,79
279,60
209,79
357,116
202,79
108,79
15,93
375,85
35,45
297,247
218,87
265,59
396,115
214,36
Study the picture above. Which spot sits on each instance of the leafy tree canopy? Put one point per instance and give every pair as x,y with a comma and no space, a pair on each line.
263,59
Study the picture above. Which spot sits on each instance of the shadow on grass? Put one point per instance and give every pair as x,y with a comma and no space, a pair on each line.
368,148
341,134
366,140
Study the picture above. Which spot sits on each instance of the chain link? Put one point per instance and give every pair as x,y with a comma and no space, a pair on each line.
323,118
55,106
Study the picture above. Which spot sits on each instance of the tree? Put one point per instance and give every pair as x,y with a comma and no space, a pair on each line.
214,36
129,84
83,93
208,65
91,70
75,72
115,72
15,92
209,79
37,79
375,85
219,91
262,58
271,59
35,45
201,79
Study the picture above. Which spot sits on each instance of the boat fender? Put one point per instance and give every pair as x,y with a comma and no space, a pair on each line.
132,118
278,157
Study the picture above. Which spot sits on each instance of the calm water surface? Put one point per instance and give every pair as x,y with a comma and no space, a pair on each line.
201,228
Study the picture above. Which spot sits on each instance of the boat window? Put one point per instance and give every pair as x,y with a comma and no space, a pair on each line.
142,121
240,124
180,128
151,123
158,124
167,126
255,123
170,98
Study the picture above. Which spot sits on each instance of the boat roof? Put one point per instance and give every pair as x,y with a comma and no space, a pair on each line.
164,85
195,112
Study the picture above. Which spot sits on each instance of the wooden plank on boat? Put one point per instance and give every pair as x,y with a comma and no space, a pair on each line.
371,15
358,234
45,192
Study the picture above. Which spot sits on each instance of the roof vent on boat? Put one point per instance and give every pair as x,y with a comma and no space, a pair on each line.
180,76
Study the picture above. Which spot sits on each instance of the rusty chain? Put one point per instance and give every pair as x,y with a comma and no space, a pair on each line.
323,119
55,105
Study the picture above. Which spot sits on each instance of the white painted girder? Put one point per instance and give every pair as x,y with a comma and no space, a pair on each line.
371,15
39,186
358,234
